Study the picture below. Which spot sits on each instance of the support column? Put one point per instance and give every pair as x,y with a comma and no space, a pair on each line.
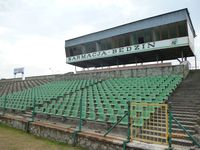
182,56
136,60
157,58
75,69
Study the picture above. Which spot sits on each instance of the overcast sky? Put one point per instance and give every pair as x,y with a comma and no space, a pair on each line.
33,32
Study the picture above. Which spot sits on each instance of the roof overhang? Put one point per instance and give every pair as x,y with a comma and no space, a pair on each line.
167,18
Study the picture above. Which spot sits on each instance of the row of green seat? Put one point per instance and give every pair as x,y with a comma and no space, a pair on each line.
43,93
107,100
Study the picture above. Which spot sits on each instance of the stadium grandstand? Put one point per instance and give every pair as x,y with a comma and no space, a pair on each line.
134,98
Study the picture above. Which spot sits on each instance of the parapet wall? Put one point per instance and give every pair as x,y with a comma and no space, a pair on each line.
54,76
139,71
10,80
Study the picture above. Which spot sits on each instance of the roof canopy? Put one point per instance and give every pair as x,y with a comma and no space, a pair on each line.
155,21
154,50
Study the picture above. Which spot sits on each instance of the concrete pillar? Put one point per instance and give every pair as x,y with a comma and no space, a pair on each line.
182,56
157,59
75,69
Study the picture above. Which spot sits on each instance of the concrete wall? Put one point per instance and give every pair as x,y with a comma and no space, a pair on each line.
43,77
88,140
154,70
11,79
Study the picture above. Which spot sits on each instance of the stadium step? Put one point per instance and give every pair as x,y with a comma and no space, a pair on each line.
188,109
178,130
174,112
189,119
187,127
185,122
184,115
183,142
185,106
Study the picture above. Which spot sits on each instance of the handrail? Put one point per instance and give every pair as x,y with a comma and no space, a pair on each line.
110,129
190,136
128,130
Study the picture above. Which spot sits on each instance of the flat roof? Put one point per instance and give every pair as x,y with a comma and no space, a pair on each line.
167,18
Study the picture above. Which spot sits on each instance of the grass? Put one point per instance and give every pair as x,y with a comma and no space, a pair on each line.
14,139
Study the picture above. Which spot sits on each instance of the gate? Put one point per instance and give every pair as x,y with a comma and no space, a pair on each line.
149,122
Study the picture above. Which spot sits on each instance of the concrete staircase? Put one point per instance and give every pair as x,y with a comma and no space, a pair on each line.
185,106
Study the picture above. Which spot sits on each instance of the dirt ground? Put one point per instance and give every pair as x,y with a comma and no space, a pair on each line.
13,139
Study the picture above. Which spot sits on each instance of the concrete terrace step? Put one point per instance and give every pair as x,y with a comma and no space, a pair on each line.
185,97
185,122
184,112
186,103
185,109
187,127
178,130
186,106
177,115
184,142
186,119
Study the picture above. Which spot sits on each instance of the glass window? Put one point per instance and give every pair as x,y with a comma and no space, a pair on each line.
148,35
164,33
157,34
140,37
182,29
67,50
90,47
127,40
172,31
134,38
105,44
75,50
121,41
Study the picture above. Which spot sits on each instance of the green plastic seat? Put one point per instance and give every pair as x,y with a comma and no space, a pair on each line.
66,113
91,116
124,121
53,111
145,114
110,111
59,112
74,113
112,119
101,117
138,122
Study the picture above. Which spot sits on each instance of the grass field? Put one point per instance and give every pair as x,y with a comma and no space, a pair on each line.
13,139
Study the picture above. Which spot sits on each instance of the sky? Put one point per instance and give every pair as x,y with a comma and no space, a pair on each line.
33,32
